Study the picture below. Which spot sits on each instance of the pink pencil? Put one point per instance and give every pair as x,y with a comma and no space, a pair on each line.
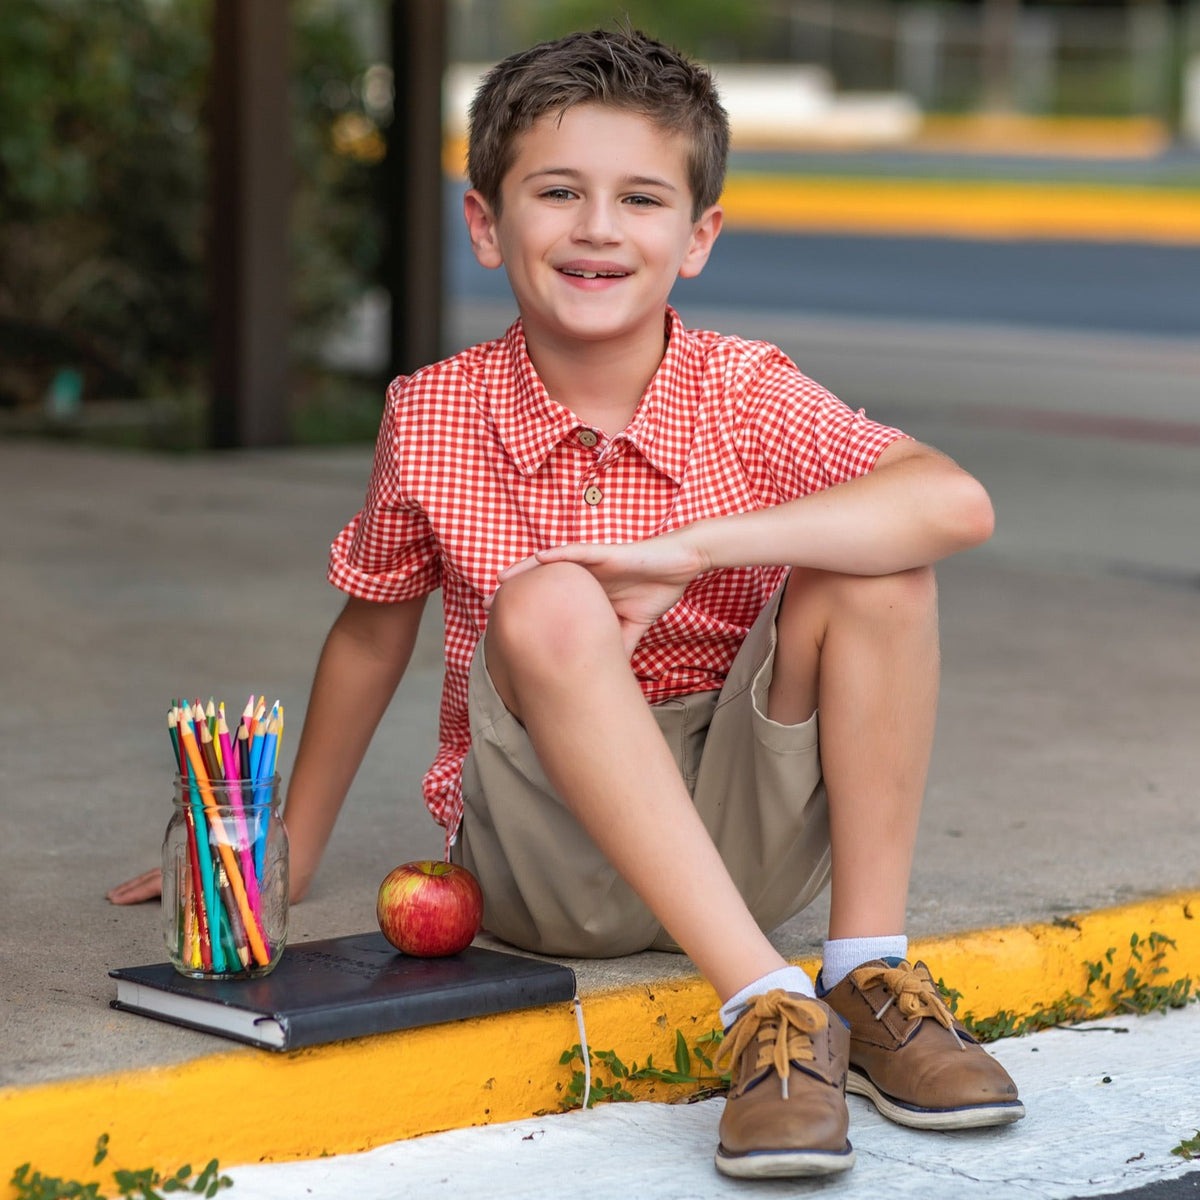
245,846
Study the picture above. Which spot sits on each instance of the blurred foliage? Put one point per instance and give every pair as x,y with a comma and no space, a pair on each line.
707,28
103,178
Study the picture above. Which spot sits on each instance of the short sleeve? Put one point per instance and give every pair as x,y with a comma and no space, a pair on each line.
388,552
800,438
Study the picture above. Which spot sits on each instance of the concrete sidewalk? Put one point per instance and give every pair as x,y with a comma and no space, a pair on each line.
1107,1104
1063,779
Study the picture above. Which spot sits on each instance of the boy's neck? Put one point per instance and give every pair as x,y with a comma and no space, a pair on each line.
601,382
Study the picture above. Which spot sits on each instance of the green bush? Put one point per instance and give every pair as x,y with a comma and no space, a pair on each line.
103,190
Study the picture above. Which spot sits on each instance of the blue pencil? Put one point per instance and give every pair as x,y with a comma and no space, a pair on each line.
263,775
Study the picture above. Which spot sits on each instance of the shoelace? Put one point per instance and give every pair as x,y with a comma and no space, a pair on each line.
794,1020
913,993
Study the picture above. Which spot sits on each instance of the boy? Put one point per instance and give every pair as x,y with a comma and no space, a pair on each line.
661,553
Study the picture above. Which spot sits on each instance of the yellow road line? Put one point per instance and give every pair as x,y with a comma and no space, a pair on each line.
963,208
970,208
1136,138
247,1106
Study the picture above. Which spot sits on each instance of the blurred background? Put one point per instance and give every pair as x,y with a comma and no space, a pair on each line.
226,223
1005,162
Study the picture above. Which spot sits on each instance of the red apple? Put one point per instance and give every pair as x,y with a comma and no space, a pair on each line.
429,909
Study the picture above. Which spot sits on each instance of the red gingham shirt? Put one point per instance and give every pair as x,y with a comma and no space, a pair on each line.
477,467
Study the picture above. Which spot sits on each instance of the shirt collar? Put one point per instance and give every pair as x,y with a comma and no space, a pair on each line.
531,424
662,427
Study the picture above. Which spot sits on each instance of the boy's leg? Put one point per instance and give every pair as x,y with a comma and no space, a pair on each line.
555,656
864,651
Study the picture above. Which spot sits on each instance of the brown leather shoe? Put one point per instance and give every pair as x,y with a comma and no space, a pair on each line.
912,1059
786,1111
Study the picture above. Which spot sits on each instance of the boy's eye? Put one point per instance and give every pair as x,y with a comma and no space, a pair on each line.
640,200
557,193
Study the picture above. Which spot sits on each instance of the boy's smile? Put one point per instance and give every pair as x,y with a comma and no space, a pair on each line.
595,227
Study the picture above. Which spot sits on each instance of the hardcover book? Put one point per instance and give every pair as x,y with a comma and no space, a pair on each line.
344,987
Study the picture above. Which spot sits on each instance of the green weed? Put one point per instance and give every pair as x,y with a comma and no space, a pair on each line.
146,1184
1139,988
1188,1148
694,1066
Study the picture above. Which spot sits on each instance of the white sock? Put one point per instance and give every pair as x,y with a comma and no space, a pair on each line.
790,979
842,955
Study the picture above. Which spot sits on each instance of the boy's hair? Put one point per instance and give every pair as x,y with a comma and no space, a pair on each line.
624,70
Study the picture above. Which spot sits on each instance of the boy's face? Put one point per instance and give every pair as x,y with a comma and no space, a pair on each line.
595,226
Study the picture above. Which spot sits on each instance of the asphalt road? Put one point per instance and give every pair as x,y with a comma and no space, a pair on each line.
1083,286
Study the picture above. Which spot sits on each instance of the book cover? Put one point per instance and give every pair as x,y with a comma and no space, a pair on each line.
344,987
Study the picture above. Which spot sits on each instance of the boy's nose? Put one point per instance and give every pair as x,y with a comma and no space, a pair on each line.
597,222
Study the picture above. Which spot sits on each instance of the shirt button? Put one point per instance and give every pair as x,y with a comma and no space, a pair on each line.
593,495
587,438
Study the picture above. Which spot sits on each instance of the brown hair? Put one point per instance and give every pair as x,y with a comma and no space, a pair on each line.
624,70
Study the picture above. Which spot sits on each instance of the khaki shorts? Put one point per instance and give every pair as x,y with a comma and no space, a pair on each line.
755,783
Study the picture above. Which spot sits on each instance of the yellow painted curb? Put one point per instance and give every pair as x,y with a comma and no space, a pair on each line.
249,1106
963,208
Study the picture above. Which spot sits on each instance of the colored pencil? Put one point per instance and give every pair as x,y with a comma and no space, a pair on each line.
199,858
196,762
266,771
205,864
232,919
244,844
220,918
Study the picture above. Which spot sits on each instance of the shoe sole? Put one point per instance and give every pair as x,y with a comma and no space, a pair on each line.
783,1164
979,1116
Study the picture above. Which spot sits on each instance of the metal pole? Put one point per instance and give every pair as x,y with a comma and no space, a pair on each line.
249,222
413,186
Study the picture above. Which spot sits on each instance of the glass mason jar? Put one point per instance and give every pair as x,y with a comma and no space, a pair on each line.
225,879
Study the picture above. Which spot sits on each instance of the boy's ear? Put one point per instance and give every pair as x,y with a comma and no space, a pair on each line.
704,234
481,224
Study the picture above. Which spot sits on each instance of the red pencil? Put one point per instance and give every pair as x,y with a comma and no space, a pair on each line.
174,719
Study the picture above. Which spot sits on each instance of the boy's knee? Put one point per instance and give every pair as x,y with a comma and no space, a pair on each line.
547,613
905,597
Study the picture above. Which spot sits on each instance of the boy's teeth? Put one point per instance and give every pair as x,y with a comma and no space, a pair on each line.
593,274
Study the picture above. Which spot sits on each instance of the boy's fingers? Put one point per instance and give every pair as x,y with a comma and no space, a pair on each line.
518,568
554,554
147,886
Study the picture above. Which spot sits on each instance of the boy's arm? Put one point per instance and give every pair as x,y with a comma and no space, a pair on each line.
914,507
361,664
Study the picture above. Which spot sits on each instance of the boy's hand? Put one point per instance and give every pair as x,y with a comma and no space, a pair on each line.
147,886
641,579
